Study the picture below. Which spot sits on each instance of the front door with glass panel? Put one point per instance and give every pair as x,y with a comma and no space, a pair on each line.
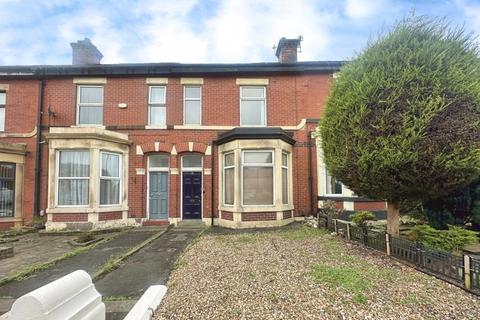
158,187
192,186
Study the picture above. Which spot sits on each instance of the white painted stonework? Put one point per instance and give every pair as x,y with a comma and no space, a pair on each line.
71,297
148,303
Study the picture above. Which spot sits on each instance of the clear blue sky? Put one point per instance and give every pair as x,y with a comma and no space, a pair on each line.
39,31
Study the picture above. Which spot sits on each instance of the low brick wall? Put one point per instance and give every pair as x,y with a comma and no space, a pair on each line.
259,216
70,217
287,214
227,215
104,216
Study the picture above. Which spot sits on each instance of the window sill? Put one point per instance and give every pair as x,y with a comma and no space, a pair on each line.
89,126
159,127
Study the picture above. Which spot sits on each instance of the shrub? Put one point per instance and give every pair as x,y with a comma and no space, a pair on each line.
330,210
361,218
402,120
453,240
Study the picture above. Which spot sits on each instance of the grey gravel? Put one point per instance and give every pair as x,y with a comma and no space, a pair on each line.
268,275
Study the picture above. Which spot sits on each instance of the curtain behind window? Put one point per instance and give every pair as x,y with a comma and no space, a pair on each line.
73,178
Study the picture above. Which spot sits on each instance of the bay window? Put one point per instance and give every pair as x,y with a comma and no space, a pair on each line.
257,177
90,105
284,178
229,178
73,177
252,106
110,178
7,189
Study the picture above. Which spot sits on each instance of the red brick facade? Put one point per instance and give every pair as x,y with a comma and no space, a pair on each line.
294,101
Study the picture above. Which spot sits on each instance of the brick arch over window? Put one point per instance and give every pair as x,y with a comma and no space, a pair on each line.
191,147
149,147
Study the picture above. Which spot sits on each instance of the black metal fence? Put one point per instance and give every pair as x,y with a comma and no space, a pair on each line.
462,270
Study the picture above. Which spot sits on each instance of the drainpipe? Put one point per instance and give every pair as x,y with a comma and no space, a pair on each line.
310,171
212,191
38,158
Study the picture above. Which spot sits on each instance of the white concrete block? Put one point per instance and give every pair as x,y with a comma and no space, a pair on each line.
71,297
148,303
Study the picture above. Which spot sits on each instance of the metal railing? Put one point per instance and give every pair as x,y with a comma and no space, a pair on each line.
462,270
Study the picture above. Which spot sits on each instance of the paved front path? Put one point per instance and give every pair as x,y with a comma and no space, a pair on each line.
90,261
32,248
151,265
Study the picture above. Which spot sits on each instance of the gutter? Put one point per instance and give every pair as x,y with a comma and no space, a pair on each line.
38,158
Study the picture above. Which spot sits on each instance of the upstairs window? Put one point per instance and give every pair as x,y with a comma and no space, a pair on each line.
157,114
3,98
110,178
192,110
252,106
90,105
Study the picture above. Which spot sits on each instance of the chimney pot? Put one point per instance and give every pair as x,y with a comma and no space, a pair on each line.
287,50
85,52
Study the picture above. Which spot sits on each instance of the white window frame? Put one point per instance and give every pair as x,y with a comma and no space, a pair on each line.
3,106
225,168
90,104
185,99
119,178
157,105
254,99
269,165
325,179
287,167
58,178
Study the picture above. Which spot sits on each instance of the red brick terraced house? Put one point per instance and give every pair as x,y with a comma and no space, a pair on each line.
95,146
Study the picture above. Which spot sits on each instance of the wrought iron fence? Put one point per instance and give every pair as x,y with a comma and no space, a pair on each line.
475,272
441,263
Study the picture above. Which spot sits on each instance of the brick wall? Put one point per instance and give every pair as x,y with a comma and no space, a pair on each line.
290,98
259,216
104,216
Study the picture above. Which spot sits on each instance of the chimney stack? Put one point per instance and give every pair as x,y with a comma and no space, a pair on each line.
287,50
84,52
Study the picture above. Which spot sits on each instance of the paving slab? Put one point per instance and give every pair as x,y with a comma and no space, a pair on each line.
149,266
90,261
30,249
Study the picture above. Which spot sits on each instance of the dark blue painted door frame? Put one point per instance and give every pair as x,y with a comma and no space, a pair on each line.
192,195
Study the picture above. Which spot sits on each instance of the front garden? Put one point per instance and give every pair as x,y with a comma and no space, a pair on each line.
303,273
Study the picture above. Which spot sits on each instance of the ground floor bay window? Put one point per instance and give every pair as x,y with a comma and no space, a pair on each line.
88,174
255,183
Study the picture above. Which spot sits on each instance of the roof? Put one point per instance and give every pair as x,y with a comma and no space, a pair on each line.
255,133
168,69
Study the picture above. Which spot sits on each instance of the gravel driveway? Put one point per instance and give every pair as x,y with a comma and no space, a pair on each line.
303,273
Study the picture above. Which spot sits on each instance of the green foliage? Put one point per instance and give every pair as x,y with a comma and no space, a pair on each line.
361,218
454,239
403,118
462,206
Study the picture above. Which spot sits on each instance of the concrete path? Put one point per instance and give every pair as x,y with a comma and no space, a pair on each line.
90,261
31,248
151,265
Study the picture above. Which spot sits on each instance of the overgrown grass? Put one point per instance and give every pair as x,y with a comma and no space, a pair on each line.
356,278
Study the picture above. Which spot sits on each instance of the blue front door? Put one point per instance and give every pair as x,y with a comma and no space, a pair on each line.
158,195
192,195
